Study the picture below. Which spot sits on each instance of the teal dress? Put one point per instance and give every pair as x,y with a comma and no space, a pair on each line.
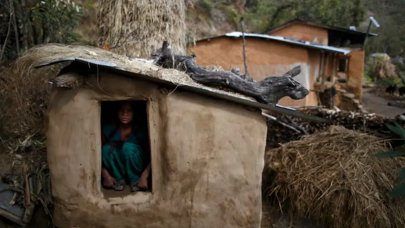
124,160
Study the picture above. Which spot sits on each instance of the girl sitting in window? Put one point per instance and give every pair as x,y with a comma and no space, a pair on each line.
123,158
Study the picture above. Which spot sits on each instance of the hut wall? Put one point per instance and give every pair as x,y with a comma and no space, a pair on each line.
264,58
356,72
315,69
303,32
207,159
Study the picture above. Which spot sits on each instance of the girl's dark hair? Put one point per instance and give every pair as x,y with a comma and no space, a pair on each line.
122,103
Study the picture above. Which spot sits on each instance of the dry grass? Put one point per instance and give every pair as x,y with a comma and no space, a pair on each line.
24,102
333,178
24,92
382,68
138,28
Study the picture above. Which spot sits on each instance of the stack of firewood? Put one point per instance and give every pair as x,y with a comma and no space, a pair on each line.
278,133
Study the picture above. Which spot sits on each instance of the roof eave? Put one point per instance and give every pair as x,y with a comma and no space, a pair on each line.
292,42
245,102
327,27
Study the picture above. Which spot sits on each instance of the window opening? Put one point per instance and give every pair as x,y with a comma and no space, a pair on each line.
342,68
125,158
342,65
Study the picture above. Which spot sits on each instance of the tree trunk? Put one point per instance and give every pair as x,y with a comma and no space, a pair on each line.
136,28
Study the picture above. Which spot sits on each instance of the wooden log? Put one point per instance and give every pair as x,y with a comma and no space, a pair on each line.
269,91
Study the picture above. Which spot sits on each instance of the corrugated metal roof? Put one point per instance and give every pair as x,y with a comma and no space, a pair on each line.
328,27
95,58
291,41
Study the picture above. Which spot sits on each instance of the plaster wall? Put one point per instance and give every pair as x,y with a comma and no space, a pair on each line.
331,66
264,58
356,72
207,159
303,32
314,62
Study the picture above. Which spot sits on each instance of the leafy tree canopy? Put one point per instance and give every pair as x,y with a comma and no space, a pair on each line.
262,15
24,24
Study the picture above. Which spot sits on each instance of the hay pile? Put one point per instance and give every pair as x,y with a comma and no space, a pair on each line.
137,28
381,66
333,178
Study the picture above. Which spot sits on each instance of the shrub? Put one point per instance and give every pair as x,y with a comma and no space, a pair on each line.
23,26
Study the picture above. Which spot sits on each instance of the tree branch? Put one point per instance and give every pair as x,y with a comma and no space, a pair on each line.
17,39
270,90
7,36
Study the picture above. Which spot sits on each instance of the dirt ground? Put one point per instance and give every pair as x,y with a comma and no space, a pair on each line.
374,103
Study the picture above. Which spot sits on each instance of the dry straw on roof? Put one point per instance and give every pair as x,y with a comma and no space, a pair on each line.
333,178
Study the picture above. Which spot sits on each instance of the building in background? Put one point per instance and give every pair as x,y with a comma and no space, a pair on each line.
329,57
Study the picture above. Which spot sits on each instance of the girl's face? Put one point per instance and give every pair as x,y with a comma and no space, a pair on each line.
125,114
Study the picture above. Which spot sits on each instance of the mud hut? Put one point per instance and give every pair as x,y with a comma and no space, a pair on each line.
329,57
206,145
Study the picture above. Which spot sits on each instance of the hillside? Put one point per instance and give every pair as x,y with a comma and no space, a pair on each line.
210,18
39,23
391,36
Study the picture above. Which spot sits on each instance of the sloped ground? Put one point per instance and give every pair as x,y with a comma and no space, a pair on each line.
379,105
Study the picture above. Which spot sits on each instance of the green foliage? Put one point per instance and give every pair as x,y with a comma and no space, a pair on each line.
55,20
265,14
399,151
23,26
233,15
387,82
397,129
262,15
205,5
391,38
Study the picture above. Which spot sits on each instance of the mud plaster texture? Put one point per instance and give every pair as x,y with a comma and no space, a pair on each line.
207,159
355,73
265,58
303,32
